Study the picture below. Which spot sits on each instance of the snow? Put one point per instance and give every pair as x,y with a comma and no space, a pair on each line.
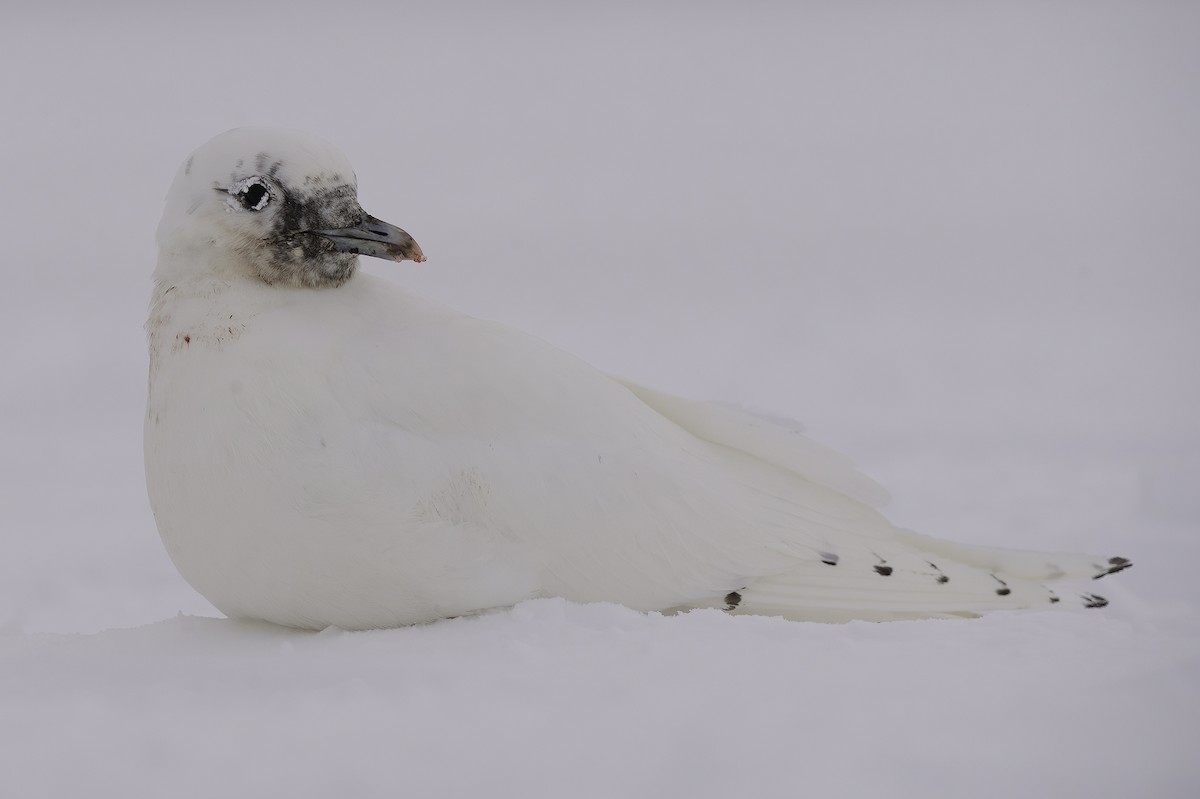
959,244
555,699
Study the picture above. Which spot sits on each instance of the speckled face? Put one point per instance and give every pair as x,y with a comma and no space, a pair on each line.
323,201
276,205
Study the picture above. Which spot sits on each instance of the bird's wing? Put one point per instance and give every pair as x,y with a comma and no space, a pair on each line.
635,496
773,440
482,425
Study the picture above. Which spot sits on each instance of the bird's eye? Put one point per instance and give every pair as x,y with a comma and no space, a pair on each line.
252,193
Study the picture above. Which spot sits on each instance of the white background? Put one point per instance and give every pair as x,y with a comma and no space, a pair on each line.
960,241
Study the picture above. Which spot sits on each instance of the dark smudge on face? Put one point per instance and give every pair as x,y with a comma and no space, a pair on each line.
298,259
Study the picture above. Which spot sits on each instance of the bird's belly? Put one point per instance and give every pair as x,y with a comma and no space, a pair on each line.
273,505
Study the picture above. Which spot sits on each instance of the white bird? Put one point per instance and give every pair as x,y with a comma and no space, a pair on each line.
323,448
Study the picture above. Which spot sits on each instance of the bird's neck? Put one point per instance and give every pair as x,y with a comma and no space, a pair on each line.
184,260
200,303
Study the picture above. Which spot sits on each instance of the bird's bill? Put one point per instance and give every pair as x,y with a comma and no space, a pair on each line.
375,238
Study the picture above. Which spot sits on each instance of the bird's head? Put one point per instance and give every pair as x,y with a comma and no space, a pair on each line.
275,205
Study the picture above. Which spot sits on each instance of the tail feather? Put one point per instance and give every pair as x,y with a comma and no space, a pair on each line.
1027,564
922,577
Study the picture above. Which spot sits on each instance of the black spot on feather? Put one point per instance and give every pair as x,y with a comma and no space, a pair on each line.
732,600
828,558
1115,565
886,571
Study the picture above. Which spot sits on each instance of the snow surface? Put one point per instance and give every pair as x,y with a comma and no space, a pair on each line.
555,699
958,241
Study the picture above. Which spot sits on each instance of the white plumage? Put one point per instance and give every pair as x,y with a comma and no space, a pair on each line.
323,448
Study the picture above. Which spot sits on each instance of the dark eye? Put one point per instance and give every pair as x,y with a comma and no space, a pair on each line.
252,194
